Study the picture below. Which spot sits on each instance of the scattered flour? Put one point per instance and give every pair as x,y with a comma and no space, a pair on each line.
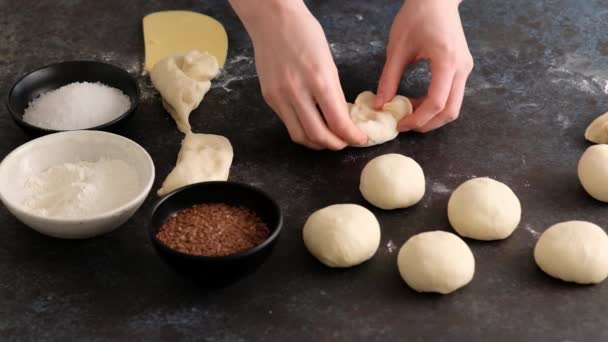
563,121
580,72
390,246
534,233
224,79
376,43
76,190
234,71
440,188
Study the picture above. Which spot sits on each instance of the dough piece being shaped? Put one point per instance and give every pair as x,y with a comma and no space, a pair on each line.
593,171
380,126
436,261
484,209
597,131
392,181
182,82
574,251
342,235
168,33
202,158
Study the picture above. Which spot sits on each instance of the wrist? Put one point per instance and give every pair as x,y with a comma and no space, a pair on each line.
442,2
257,14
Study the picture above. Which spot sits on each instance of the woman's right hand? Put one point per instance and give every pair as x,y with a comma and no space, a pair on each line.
297,72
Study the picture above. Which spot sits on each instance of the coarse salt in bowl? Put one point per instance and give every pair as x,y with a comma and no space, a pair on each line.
32,165
73,95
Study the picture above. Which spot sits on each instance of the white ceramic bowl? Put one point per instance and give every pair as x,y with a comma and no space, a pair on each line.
69,147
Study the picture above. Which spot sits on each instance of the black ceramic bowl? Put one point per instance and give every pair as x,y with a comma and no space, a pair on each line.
223,270
57,75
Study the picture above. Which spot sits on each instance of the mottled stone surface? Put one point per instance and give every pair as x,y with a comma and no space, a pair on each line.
541,76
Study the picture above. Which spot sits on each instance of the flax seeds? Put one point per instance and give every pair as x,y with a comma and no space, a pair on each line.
213,229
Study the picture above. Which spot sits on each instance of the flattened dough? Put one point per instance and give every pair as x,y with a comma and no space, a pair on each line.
380,126
597,131
183,81
202,158
170,33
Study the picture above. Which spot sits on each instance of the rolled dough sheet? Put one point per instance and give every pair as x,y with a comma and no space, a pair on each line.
170,33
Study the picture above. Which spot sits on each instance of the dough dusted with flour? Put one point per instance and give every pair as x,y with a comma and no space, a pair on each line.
202,158
182,82
380,126
484,209
342,235
597,131
392,181
436,261
593,171
574,251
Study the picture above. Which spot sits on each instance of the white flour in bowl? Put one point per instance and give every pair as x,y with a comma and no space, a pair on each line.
81,189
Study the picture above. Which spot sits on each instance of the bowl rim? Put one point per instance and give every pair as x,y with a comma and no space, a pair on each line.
19,117
242,254
139,197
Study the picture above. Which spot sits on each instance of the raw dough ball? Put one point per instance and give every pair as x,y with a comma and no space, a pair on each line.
436,261
202,158
392,181
484,209
380,126
593,172
574,251
342,235
183,81
597,131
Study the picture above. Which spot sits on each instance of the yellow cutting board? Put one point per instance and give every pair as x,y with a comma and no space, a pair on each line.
169,33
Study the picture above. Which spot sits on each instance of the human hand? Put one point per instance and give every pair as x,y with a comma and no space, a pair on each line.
297,72
430,30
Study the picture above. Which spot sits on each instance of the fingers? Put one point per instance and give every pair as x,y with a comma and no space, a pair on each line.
293,125
314,126
442,75
396,62
336,113
452,107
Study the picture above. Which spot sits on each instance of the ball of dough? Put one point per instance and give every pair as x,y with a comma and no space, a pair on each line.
484,209
593,172
436,261
574,251
392,181
597,131
342,235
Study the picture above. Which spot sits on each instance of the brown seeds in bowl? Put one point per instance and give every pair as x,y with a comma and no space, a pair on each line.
213,229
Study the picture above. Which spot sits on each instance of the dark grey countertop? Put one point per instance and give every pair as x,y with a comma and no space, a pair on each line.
541,76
